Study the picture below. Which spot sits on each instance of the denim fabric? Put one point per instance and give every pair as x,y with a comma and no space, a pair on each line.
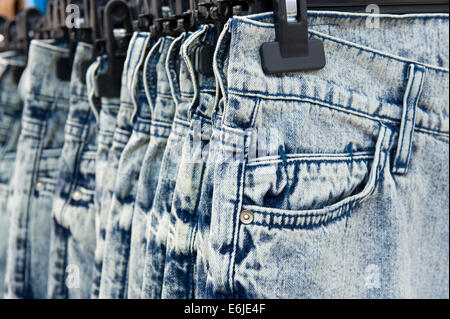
178,279
41,139
10,118
73,227
334,183
163,109
158,222
107,118
118,233
201,244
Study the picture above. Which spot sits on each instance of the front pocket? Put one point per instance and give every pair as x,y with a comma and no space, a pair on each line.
300,191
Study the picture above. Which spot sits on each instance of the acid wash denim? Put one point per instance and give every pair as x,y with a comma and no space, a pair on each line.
10,121
72,243
106,109
41,140
178,279
118,232
162,108
158,221
334,183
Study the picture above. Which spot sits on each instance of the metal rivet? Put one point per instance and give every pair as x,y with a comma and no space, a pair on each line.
246,217
77,195
39,186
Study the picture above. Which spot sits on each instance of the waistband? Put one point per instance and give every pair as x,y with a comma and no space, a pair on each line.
80,111
94,101
136,84
10,63
201,83
136,49
150,75
164,108
12,58
41,80
180,78
359,79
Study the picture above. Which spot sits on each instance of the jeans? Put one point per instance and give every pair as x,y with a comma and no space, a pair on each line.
39,148
106,109
323,179
158,221
73,226
10,117
162,108
179,269
136,138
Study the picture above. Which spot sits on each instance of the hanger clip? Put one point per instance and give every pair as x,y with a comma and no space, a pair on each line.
117,17
292,51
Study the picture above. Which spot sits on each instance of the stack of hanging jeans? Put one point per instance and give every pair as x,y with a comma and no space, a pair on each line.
223,181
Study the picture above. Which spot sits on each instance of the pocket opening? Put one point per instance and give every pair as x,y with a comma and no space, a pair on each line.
294,219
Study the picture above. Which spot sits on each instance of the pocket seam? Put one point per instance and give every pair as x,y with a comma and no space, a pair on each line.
316,217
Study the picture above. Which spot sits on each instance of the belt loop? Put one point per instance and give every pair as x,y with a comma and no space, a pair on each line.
412,94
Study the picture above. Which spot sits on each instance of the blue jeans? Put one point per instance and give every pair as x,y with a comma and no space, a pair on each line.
159,216
41,140
73,227
323,179
106,109
10,117
178,281
162,108
134,140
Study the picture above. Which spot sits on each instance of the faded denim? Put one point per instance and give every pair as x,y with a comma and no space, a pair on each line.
106,109
334,183
41,140
73,226
118,232
162,108
11,106
159,218
181,252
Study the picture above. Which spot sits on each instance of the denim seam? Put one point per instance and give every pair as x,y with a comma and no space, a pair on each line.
404,116
255,111
46,98
160,136
416,99
341,108
26,251
236,227
193,234
253,165
387,150
164,95
160,123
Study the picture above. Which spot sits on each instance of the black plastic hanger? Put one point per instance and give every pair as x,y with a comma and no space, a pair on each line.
292,51
117,14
